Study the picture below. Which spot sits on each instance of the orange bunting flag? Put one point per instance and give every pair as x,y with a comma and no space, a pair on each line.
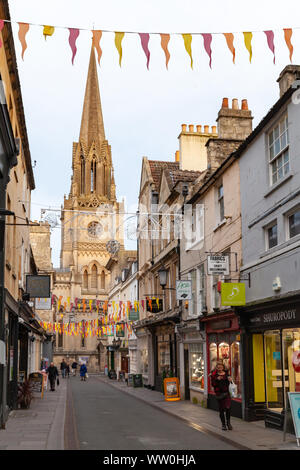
96,43
287,36
229,39
165,38
118,42
48,31
188,45
23,30
247,40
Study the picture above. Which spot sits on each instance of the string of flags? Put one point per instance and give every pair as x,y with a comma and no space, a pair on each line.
88,328
74,33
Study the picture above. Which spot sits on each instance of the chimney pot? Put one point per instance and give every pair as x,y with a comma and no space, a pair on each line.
183,127
244,104
235,103
177,156
191,127
225,103
206,129
199,129
214,129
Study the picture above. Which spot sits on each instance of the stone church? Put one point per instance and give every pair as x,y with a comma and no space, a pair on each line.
91,220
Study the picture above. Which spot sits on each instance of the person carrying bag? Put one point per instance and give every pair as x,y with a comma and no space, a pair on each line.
221,382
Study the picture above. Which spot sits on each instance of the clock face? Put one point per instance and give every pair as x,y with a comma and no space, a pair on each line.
95,229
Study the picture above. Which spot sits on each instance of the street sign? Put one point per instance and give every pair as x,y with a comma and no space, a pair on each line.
43,303
38,286
233,294
218,264
184,289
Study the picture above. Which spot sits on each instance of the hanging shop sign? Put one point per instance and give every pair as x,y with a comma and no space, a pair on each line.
218,264
43,303
233,294
38,286
294,398
184,289
171,389
133,315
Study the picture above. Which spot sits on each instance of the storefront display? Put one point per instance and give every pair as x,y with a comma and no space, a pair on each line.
163,354
196,362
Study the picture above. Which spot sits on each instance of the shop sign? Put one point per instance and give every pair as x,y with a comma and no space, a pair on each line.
43,303
294,398
270,317
220,325
38,286
184,289
133,315
233,294
218,264
171,389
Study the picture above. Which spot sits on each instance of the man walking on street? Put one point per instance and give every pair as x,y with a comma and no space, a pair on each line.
63,368
74,367
52,374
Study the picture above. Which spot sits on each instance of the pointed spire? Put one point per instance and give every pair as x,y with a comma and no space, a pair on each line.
92,126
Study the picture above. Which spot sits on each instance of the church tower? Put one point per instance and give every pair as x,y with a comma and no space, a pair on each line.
90,218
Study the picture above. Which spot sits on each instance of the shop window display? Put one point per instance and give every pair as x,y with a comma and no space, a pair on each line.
163,354
229,352
196,366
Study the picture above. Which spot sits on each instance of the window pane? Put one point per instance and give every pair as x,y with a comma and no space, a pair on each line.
277,146
271,152
283,140
213,356
196,365
276,132
272,236
236,367
271,138
224,354
294,224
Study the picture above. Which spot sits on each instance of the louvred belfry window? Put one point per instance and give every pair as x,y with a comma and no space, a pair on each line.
93,176
82,175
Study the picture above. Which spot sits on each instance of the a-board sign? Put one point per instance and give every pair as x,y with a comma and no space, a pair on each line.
171,389
184,289
130,380
21,376
37,382
294,399
137,380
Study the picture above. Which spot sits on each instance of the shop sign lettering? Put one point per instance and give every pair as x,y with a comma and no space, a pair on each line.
280,316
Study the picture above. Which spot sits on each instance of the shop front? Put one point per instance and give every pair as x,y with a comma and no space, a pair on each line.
271,335
223,342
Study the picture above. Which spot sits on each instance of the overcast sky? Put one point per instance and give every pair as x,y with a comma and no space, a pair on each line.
143,110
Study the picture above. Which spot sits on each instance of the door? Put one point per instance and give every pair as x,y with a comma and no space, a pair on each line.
273,371
186,375
124,364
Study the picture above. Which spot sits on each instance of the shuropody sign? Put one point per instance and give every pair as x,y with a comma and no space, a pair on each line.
218,264
184,289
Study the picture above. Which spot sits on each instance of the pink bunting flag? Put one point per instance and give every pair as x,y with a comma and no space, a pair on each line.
1,27
74,33
207,45
145,41
270,39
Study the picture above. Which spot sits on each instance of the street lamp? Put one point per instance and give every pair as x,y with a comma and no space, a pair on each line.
162,272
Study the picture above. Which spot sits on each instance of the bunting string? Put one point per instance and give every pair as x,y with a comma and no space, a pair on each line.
145,37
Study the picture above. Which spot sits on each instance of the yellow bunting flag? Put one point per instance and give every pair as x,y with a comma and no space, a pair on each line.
229,39
48,31
90,302
96,43
23,30
188,45
287,36
248,39
118,42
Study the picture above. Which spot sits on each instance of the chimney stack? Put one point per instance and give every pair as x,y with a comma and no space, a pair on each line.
234,123
287,76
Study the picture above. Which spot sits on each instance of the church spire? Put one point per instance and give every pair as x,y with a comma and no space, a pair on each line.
92,126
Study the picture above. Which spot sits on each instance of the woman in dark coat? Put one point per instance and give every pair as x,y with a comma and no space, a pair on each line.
220,381
52,374
83,371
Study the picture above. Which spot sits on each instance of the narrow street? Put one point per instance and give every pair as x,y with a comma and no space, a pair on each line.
101,417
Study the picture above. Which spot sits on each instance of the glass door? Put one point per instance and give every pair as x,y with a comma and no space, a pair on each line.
273,370
291,358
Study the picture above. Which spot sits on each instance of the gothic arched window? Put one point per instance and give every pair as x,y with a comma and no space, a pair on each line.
82,175
93,176
103,280
94,277
85,279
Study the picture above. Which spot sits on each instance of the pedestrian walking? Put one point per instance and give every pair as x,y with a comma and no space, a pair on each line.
220,381
68,370
83,371
74,367
63,368
52,375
